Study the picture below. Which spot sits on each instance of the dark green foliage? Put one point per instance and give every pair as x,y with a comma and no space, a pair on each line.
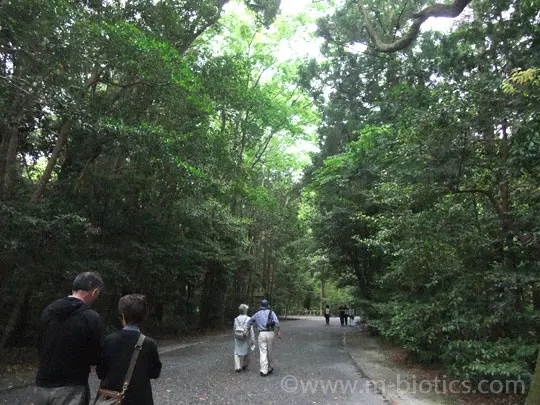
129,148
425,188
149,142
502,360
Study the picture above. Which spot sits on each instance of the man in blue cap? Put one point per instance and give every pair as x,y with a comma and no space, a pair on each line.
267,322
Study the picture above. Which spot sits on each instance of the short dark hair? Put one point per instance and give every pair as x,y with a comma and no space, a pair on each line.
133,306
88,281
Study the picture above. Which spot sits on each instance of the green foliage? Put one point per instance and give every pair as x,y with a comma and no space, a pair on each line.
177,175
423,195
415,326
181,165
521,78
501,360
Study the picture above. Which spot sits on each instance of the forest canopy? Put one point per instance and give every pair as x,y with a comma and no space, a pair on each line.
176,148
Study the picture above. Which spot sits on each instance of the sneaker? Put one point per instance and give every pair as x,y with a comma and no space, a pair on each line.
244,368
270,370
238,370
263,374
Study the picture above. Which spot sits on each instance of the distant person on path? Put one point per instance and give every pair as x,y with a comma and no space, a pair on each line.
327,314
341,312
346,314
244,338
70,336
118,350
351,315
267,322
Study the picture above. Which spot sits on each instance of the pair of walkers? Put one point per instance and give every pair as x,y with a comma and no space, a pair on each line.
268,325
343,311
70,340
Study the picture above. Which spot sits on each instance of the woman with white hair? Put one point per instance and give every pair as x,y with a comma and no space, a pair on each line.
244,337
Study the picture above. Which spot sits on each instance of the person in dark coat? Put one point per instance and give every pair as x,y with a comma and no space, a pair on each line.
118,350
341,311
70,335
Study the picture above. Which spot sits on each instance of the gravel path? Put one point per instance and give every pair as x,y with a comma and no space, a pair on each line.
311,366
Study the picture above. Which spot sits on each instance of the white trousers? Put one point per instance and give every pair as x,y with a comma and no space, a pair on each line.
266,339
241,361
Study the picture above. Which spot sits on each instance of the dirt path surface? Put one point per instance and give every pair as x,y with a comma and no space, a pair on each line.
312,366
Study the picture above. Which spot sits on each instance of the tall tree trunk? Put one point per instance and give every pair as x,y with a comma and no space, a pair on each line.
9,161
321,306
60,142
213,297
4,141
14,317
533,398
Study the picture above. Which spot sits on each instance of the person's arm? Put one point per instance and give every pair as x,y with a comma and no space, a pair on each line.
275,319
96,340
102,368
251,321
276,326
41,333
154,363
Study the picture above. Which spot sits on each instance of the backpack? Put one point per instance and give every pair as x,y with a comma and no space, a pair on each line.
240,331
270,323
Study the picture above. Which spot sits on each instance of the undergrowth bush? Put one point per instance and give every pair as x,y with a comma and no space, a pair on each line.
480,360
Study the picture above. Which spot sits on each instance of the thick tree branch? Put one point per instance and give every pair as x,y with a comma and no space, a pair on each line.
60,142
261,151
398,21
443,10
196,31
437,10
506,222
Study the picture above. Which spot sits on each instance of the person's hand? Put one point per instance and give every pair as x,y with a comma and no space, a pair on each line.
252,342
278,334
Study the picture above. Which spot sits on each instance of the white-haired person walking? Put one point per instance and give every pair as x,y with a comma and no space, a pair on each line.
244,338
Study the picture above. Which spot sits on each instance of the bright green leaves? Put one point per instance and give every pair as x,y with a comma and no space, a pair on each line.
521,80
152,58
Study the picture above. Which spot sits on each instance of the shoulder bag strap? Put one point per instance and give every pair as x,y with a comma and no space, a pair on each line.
134,357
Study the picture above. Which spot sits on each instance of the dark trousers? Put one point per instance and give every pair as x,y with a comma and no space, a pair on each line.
327,319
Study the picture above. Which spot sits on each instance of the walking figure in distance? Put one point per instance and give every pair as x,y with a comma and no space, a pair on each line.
327,314
244,338
341,311
267,322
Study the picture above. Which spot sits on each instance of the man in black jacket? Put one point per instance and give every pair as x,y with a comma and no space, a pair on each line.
118,350
69,341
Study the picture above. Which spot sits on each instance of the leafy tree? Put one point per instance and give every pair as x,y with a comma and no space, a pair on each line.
424,181
112,148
